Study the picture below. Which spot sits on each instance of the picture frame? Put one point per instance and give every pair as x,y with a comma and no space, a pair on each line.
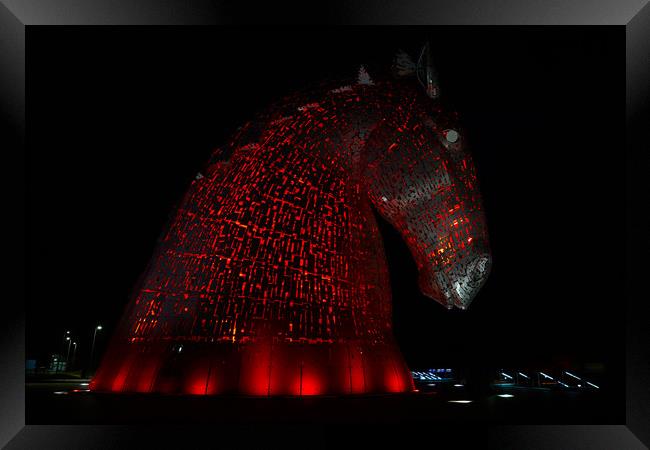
16,17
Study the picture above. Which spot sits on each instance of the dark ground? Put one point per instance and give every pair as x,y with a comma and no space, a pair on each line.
527,406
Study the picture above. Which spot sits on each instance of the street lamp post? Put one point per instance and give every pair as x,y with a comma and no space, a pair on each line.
67,358
65,335
92,349
60,358
74,353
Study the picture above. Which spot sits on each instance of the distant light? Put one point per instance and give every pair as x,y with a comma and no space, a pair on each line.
460,401
591,384
525,376
458,385
546,376
67,332
416,390
99,327
68,338
180,348
83,384
506,375
506,395
571,375
579,385
74,343
431,384
60,392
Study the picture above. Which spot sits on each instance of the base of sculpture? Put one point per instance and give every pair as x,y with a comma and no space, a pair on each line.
258,368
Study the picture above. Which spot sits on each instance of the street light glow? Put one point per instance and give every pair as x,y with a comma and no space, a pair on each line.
99,327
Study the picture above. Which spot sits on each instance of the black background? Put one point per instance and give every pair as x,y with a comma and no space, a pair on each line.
121,119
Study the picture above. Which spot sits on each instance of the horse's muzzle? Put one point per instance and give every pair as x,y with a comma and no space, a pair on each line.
459,286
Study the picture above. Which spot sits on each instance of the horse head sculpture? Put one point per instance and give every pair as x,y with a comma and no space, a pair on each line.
271,278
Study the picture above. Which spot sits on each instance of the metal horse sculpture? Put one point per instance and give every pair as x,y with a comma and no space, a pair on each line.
271,277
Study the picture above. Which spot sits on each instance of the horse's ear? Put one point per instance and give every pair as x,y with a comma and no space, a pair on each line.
426,73
363,77
403,66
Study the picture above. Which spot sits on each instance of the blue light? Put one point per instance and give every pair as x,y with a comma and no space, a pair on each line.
565,385
591,384
506,375
525,376
424,376
571,375
545,376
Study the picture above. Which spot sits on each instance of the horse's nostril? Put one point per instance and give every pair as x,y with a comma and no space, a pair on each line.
480,267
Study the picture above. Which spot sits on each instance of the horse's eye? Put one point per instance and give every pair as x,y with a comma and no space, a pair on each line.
451,135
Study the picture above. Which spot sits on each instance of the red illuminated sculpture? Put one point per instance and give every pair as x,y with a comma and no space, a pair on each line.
271,278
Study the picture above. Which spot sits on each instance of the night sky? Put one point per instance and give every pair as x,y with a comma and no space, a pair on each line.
122,119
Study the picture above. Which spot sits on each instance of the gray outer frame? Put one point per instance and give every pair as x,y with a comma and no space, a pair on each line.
15,15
